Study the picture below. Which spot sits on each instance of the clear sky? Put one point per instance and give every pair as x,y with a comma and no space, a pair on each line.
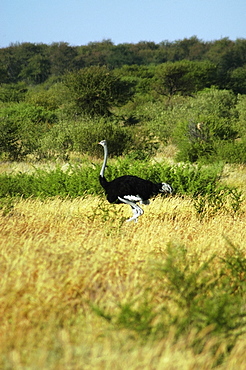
79,22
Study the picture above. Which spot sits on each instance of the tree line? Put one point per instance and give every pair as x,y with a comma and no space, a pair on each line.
36,63
58,99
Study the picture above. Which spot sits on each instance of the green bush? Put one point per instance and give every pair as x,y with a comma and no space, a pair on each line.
21,128
241,110
50,98
201,126
13,92
209,123
202,140
156,118
232,152
83,135
72,182
9,138
185,179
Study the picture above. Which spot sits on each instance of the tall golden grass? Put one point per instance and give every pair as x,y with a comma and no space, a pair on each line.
57,256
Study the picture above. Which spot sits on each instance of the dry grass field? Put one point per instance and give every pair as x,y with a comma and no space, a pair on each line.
59,257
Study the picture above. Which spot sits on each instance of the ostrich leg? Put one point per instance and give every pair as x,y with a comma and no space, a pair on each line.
136,210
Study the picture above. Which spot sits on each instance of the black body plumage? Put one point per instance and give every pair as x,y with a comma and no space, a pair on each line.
131,186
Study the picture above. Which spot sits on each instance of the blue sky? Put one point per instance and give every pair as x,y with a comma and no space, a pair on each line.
79,22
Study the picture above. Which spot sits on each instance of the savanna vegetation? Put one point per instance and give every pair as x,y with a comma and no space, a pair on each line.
80,287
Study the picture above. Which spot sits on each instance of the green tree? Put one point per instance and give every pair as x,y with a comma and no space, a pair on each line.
10,65
123,54
37,69
221,53
62,58
145,52
94,54
96,90
238,80
188,49
234,65
184,77
140,76
24,61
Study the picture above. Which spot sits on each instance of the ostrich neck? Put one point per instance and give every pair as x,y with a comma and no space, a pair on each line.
104,161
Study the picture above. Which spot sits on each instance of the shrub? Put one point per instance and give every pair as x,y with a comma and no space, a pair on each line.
72,182
21,128
83,135
232,151
186,179
241,110
210,122
13,92
156,118
202,140
9,138
50,98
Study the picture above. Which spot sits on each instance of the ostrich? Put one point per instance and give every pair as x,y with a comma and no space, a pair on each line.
130,189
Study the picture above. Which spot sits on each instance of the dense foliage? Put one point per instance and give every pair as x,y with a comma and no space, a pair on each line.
35,63
57,99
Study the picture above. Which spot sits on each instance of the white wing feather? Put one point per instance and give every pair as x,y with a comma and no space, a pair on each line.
133,198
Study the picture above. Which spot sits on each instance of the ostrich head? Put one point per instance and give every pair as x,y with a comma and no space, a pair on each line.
166,188
103,143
